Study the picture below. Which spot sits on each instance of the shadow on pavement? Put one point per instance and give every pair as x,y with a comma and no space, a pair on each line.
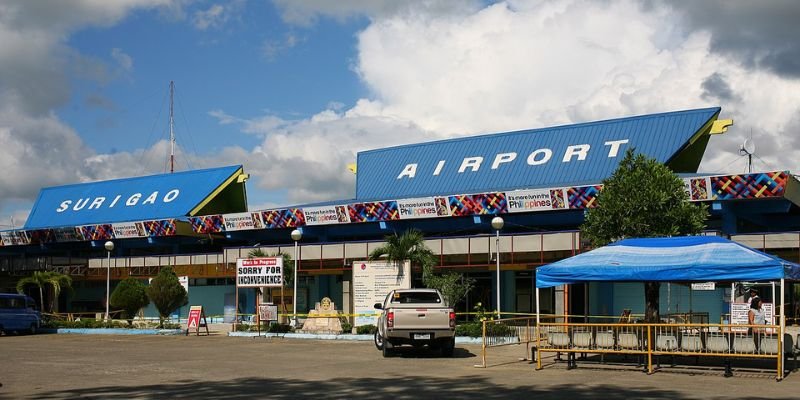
369,388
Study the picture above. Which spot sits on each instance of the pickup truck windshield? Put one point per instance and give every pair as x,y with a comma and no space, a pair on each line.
416,297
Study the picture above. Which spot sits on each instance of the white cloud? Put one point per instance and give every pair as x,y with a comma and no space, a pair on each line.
38,148
517,65
124,61
217,15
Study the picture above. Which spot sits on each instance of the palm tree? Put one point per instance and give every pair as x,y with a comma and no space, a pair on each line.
409,246
43,279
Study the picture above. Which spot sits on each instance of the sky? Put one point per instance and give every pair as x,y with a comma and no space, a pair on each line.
293,89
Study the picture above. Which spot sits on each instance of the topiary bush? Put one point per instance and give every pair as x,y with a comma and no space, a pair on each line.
130,297
166,293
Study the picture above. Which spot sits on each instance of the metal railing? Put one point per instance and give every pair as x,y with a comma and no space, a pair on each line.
687,339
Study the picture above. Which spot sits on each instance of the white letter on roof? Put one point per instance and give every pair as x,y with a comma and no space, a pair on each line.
612,152
64,206
97,202
470,162
151,199
133,199
439,167
410,170
171,195
532,157
579,149
503,158
79,206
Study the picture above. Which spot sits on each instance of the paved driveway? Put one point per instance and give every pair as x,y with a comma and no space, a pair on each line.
220,367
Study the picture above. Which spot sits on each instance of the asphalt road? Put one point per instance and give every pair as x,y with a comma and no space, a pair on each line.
220,367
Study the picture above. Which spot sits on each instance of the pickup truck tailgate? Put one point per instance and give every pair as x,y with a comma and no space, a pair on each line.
421,318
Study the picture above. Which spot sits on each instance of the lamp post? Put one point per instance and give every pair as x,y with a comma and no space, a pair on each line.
109,248
497,224
296,236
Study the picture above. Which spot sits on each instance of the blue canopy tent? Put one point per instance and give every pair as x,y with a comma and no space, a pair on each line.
674,259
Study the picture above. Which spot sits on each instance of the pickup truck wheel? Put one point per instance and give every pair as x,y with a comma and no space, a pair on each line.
32,331
387,348
378,340
448,347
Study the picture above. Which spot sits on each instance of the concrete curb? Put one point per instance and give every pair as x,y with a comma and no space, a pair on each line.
114,331
363,338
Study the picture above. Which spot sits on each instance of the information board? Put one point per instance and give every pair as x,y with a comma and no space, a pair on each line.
372,281
259,272
739,315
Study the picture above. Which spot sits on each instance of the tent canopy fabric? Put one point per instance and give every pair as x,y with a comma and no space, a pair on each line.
675,259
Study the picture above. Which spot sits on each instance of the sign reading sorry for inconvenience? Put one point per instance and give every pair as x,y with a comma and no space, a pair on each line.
258,272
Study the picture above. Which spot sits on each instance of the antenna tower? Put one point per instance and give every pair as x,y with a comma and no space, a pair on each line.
748,148
171,129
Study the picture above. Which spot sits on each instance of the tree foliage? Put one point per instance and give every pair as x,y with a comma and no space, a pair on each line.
130,296
643,198
46,281
166,293
410,246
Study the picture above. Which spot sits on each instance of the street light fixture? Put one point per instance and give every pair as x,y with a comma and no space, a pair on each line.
296,236
497,224
109,248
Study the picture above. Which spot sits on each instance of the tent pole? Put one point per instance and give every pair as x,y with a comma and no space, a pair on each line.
537,306
781,351
773,294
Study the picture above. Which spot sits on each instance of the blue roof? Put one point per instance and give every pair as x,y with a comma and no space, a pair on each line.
131,199
676,259
411,170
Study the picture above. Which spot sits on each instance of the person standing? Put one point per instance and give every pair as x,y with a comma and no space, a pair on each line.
755,316
753,295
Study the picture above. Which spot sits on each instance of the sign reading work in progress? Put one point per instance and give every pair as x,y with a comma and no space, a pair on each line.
259,272
372,281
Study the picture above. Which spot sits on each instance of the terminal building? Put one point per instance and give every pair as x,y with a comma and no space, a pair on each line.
540,181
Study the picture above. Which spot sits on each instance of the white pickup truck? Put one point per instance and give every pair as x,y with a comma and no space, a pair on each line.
417,317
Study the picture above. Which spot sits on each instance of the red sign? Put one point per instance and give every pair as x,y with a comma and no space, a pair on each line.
194,317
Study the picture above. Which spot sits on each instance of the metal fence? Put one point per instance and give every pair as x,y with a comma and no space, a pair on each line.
649,340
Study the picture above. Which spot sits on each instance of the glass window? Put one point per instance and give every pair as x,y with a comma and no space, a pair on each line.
416,297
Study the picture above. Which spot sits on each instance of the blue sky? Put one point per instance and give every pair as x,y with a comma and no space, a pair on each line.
294,89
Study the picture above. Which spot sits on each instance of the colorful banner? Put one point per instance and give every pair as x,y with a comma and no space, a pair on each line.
581,197
423,207
14,238
477,204
162,227
373,211
39,236
536,200
749,186
287,218
697,188
128,230
207,224
326,215
97,232
242,221
68,234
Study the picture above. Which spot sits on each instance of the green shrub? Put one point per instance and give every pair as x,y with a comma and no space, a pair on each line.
129,296
166,293
366,329
472,329
243,327
279,328
346,327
